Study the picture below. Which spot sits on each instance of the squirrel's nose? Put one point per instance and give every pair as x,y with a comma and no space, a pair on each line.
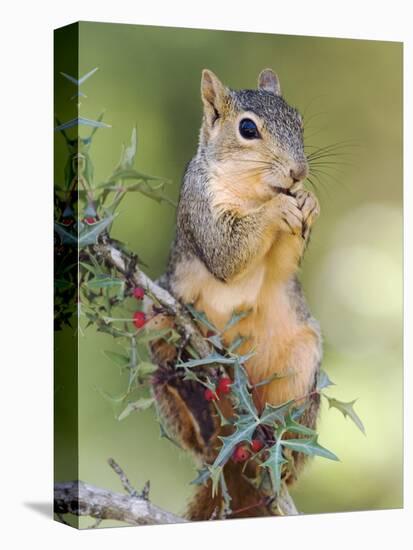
299,173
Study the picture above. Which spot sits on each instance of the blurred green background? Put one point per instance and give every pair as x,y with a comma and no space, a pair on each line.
352,273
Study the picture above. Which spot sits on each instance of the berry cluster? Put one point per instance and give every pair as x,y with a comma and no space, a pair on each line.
223,388
243,451
139,317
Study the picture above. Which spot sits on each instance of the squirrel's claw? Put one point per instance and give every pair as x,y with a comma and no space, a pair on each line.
310,208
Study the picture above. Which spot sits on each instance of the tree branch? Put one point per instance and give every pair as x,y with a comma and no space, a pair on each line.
83,499
124,264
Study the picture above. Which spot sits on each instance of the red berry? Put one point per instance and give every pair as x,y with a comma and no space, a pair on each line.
67,221
139,319
90,220
210,395
224,385
256,445
138,293
240,454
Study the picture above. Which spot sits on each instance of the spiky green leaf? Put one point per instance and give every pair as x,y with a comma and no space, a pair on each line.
292,426
308,446
236,317
208,360
323,381
90,233
140,405
127,157
275,463
245,427
275,415
240,392
215,340
202,477
102,281
347,409
201,317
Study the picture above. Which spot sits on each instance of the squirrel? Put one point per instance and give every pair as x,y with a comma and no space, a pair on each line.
243,223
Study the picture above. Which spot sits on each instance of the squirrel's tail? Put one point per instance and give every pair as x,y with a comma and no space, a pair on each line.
246,501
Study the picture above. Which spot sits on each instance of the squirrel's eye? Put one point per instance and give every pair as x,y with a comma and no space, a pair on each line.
248,129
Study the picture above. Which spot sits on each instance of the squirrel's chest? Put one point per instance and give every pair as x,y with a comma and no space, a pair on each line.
194,284
271,318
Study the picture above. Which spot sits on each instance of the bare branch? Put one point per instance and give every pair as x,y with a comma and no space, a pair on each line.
83,499
123,477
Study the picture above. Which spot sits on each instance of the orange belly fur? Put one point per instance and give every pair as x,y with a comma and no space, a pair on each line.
282,344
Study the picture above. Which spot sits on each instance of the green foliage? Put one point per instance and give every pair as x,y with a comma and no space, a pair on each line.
347,409
139,405
323,381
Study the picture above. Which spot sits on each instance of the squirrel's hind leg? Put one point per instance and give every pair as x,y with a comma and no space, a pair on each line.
189,419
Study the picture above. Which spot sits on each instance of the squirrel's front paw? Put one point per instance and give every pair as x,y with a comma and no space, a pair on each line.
310,209
290,214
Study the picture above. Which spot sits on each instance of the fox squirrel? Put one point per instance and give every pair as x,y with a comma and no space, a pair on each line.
243,222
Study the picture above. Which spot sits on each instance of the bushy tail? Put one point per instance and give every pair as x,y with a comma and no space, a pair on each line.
246,501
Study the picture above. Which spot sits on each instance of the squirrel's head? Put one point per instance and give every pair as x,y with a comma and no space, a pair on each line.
252,140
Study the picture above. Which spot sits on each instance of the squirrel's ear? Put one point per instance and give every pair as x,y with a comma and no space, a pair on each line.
269,82
213,94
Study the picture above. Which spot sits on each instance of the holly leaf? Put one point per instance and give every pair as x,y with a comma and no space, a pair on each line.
245,427
89,268
347,409
202,477
292,426
66,236
208,360
274,463
216,341
102,281
201,317
236,317
127,157
140,405
271,414
235,344
129,174
215,474
323,381
241,393
308,446
90,233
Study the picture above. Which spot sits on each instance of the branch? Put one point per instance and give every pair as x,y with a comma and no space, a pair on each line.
83,499
123,263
